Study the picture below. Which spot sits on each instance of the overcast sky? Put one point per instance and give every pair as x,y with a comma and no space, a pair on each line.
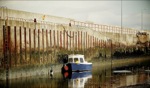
100,12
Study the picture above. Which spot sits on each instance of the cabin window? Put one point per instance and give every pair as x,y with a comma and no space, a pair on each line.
70,60
76,60
81,60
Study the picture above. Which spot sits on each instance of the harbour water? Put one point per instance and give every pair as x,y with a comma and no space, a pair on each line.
133,76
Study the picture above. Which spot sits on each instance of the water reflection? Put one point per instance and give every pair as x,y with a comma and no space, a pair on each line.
138,77
77,79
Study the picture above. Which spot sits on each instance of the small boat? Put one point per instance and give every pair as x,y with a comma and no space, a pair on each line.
76,63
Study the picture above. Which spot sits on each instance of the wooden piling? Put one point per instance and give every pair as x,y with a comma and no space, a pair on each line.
43,45
70,40
73,40
25,43
39,44
81,40
99,43
15,46
66,40
20,46
60,40
96,41
9,46
34,34
46,40
50,35
93,41
47,45
4,46
57,38
78,40
54,39
30,43
90,41
86,40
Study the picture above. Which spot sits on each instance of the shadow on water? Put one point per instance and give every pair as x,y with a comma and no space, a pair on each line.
132,76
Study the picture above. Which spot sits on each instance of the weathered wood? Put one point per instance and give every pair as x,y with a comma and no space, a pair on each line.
30,43
25,43
60,40
20,46
15,51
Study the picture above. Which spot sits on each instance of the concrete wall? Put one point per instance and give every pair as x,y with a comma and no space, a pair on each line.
37,45
41,41
22,15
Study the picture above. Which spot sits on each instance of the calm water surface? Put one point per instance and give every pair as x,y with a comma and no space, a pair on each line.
134,76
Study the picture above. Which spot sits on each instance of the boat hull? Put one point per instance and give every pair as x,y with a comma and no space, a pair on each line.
77,67
75,75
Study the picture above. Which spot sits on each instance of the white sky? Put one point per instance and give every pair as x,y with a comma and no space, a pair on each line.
100,12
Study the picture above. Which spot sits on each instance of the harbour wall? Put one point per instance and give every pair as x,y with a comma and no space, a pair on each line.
37,40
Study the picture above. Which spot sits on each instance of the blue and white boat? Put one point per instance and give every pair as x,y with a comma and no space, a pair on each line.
76,62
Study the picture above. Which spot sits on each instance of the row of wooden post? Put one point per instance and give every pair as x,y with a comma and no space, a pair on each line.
105,28
26,40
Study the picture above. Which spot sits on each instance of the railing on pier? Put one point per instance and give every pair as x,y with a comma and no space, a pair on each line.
104,28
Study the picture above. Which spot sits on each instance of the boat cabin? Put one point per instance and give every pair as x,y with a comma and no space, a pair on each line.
76,58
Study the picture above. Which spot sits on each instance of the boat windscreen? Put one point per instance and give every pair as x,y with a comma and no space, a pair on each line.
76,60
70,60
81,60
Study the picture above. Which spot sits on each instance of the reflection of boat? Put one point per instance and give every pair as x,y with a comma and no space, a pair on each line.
76,63
77,79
